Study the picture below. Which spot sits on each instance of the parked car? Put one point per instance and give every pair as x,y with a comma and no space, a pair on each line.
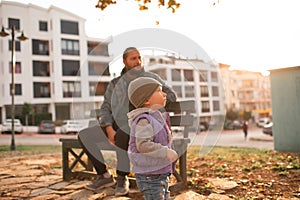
232,125
7,126
262,121
47,126
204,126
267,129
177,129
71,126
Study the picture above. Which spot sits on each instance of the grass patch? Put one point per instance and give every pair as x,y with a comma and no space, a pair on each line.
229,153
29,150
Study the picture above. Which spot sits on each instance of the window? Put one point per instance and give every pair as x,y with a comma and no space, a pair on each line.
97,49
40,108
41,68
161,72
18,68
176,75
69,47
216,105
40,47
14,22
71,89
98,68
177,90
189,91
233,93
70,68
69,27
215,91
203,76
205,106
17,45
152,61
97,88
188,75
43,26
41,90
241,95
18,89
214,76
204,91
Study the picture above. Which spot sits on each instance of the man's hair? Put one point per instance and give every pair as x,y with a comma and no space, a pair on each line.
128,50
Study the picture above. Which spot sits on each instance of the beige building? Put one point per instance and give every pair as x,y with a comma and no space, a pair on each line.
246,91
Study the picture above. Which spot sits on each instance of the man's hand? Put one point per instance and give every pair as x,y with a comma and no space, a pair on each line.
172,155
110,134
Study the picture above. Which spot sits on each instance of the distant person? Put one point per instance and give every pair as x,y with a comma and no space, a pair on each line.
150,150
114,123
245,128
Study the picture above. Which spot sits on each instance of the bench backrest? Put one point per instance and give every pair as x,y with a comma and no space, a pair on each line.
180,114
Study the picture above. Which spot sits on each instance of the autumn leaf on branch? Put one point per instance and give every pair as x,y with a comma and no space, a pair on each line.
143,4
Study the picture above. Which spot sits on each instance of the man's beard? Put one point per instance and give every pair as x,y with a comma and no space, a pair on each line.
134,72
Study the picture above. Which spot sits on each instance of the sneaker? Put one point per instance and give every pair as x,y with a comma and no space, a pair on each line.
101,182
122,186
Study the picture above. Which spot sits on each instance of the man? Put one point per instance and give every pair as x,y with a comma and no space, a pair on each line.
114,122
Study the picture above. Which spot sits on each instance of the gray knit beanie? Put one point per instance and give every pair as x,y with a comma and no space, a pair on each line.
140,89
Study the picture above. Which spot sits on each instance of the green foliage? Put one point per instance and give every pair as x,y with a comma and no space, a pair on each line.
232,115
35,119
253,167
247,115
26,109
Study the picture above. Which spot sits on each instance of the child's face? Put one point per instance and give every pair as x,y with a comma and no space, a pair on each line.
158,99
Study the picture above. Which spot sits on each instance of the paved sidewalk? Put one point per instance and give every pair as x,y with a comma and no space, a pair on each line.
39,177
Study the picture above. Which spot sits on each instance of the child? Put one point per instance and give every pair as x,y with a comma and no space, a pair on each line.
150,139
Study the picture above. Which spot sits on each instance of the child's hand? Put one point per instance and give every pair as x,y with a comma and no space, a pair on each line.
172,155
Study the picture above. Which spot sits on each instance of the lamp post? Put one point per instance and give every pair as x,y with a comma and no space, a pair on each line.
3,33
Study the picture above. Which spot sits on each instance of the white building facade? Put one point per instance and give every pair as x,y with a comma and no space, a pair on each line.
59,69
192,80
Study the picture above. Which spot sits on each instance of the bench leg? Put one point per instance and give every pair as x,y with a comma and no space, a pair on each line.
182,168
65,163
90,166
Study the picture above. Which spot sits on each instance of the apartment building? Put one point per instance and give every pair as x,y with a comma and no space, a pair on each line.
247,91
57,69
192,80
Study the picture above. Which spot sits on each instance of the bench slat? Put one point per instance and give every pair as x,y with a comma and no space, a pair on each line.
181,106
183,120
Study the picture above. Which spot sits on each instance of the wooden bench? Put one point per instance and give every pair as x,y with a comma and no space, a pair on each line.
180,113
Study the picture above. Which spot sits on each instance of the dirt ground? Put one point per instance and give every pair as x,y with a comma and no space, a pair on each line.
234,173
259,174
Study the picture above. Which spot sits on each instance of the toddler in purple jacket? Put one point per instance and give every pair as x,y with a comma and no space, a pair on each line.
150,145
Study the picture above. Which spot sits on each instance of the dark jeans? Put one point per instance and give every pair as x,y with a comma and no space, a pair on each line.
94,137
245,133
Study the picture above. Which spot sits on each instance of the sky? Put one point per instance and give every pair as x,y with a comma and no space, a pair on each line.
254,35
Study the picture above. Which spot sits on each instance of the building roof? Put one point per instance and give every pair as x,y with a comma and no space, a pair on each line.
285,69
40,8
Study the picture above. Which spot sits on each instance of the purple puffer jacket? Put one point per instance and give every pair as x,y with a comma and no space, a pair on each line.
143,164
